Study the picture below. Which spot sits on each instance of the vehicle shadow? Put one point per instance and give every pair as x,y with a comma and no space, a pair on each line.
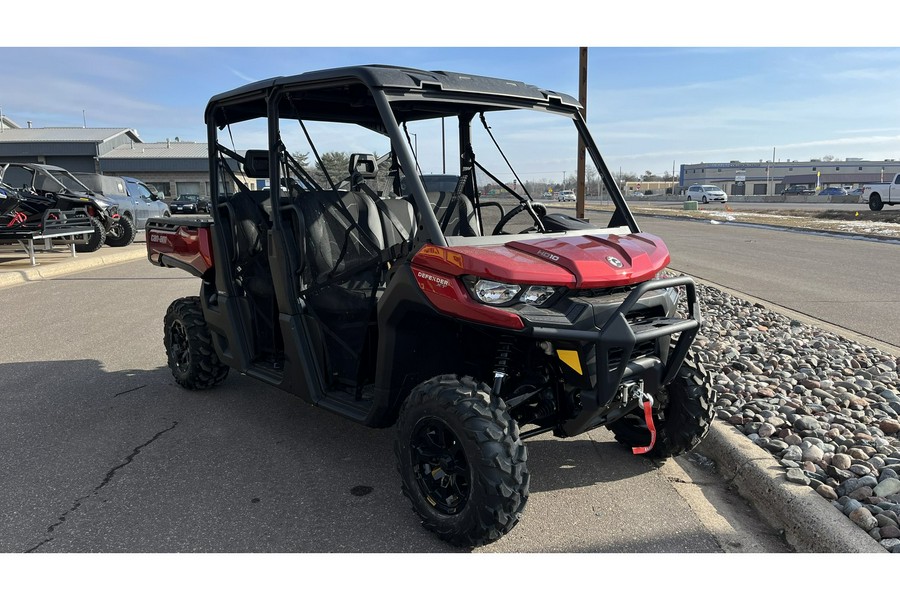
557,464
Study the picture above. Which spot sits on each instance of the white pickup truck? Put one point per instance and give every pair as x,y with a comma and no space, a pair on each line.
879,194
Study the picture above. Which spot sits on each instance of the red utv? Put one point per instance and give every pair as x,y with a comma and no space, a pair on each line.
468,316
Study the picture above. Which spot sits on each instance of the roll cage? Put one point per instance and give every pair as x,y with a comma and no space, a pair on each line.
385,99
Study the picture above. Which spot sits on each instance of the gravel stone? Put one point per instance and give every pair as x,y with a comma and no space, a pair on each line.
797,476
827,408
861,493
863,518
888,487
766,430
889,426
893,545
890,532
793,453
850,505
841,461
812,452
827,492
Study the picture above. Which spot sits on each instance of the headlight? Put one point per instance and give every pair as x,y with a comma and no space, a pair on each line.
494,292
499,293
537,294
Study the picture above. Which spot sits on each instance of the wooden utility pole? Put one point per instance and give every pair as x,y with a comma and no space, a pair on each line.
582,98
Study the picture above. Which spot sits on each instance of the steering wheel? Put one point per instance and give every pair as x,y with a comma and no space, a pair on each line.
539,209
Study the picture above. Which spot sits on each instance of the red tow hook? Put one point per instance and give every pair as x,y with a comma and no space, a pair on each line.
648,417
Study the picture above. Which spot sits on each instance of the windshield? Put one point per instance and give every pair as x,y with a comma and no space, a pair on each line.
70,183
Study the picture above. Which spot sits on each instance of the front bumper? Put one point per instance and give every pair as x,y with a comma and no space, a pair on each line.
625,343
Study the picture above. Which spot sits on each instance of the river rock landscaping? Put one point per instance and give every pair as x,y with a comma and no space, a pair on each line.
826,407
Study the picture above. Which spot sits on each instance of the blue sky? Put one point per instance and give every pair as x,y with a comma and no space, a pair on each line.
648,107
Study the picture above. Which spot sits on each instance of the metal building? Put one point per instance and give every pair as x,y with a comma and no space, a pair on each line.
765,178
72,148
172,167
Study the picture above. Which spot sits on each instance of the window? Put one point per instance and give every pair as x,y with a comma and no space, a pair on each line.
161,187
18,177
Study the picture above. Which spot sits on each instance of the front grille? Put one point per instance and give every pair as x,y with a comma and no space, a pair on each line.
647,348
641,315
602,292
634,317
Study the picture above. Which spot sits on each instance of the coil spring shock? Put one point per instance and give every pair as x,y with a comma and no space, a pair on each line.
501,363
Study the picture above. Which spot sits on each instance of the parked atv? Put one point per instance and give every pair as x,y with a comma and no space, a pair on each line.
9,202
42,187
468,316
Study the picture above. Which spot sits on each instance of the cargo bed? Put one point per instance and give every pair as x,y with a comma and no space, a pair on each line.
181,242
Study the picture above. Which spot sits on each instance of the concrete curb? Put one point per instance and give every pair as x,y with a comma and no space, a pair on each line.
810,523
82,262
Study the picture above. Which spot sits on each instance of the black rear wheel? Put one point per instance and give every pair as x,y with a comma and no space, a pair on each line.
95,239
682,417
875,202
191,355
461,462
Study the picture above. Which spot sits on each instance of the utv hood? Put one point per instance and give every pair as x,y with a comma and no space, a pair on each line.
585,261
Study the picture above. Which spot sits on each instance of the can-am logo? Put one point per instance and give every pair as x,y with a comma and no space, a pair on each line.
614,261
160,238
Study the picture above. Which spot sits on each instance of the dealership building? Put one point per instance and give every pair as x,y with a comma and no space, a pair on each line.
172,167
765,178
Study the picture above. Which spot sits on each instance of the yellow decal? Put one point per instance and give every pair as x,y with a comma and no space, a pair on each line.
570,357
455,259
446,256
433,251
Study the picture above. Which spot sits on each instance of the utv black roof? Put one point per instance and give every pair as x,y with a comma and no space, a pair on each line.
329,89
37,166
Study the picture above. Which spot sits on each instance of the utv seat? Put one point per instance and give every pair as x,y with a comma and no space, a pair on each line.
404,216
343,231
344,243
456,214
248,223
246,217
395,216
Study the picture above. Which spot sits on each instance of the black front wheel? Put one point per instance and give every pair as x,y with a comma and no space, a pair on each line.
121,233
191,355
461,461
682,416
